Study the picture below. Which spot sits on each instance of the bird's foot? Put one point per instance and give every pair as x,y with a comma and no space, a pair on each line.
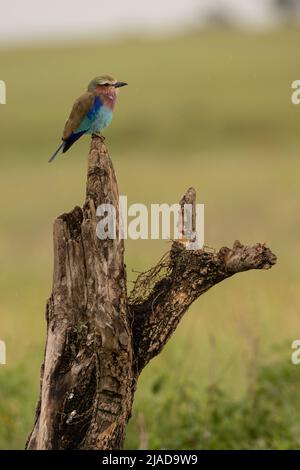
98,134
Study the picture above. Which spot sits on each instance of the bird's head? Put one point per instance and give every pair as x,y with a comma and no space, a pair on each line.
106,85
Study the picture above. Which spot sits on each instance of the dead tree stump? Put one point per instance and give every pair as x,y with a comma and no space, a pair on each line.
98,339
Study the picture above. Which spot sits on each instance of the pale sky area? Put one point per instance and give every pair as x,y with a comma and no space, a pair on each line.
22,20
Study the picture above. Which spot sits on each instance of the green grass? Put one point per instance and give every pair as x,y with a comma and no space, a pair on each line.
211,110
264,418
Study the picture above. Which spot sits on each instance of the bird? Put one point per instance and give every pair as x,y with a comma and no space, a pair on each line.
91,112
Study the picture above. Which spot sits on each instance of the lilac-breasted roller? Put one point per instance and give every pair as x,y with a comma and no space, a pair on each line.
91,112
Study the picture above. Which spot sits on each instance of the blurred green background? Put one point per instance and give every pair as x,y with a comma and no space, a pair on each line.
210,109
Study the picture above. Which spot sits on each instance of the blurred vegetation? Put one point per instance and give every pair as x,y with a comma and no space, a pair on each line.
178,418
210,109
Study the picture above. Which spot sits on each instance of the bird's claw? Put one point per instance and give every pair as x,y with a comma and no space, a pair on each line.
98,134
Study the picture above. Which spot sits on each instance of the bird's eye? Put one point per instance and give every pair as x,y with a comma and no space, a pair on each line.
105,84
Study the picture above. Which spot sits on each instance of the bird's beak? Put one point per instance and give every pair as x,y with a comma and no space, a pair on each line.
119,84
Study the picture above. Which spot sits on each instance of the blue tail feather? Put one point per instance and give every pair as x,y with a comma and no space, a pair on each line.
56,152
71,139
66,144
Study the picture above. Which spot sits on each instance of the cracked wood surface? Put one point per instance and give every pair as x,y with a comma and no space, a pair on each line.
86,389
98,342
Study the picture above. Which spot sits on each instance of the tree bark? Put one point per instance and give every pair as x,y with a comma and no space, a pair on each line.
98,339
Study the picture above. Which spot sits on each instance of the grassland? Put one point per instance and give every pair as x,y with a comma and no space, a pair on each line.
211,110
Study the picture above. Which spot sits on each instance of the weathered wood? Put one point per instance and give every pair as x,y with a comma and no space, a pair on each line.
190,274
98,341
86,391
